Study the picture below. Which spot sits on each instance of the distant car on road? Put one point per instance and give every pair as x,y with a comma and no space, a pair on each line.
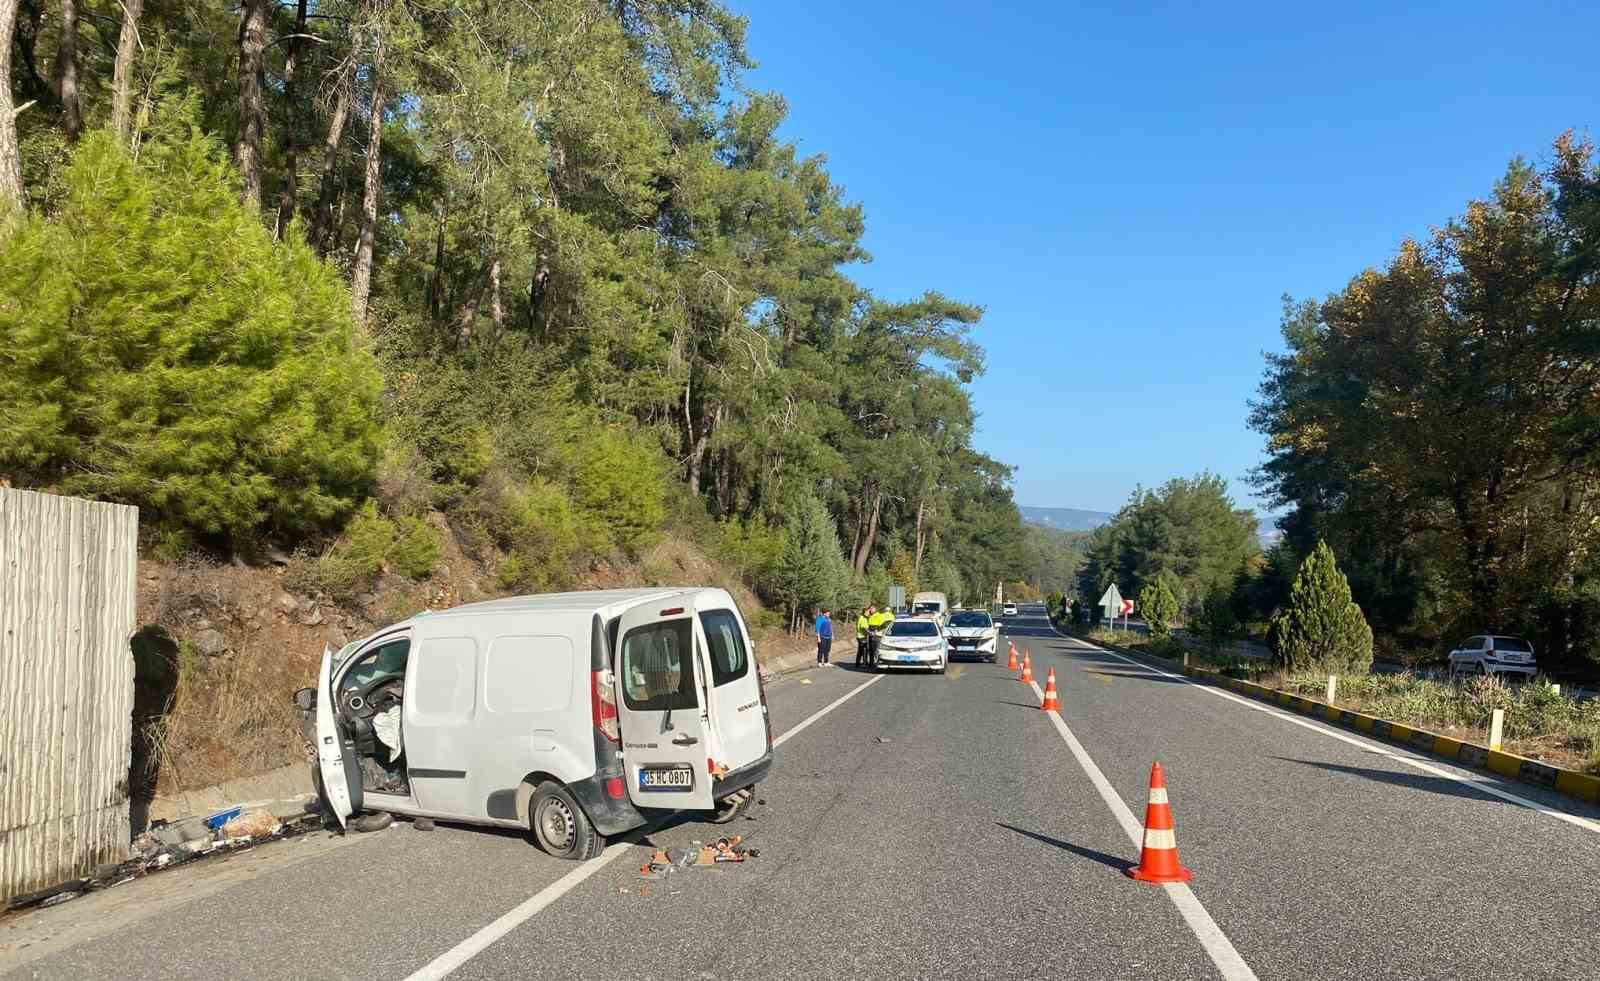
914,642
1493,654
1010,610
972,633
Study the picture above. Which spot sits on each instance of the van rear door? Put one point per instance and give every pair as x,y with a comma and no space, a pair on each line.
664,738
737,714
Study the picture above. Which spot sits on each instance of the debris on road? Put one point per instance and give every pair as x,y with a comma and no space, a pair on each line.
252,824
423,824
724,850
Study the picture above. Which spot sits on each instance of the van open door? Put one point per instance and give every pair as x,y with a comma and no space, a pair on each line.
333,764
664,739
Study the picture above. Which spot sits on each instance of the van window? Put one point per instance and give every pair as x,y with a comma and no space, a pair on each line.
729,660
386,663
658,667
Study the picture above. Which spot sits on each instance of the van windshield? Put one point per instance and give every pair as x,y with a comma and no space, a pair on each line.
658,667
925,608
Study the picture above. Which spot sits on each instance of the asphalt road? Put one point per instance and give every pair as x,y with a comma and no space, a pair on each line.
942,827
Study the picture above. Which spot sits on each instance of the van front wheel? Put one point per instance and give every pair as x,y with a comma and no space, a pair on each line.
560,826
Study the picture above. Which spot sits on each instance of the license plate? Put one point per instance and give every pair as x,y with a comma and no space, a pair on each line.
666,778
908,657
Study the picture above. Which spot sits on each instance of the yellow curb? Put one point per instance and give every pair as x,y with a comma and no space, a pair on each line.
1579,785
1284,698
1364,722
1505,764
1331,713
1400,733
1446,747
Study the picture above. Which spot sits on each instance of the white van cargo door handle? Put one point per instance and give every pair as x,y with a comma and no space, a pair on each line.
685,740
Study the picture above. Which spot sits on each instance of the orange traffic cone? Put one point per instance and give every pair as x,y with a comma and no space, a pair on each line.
1051,702
1158,860
1012,664
1027,669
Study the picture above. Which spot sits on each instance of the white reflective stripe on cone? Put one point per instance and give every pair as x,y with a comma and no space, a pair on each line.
1160,838
1158,795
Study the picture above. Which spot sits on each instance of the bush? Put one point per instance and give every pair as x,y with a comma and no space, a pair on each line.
1216,624
619,480
1160,606
370,544
158,348
1321,628
542,534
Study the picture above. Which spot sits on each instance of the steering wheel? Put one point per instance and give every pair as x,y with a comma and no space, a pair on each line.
367,700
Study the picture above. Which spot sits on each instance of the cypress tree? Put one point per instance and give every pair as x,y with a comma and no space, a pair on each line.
1322,628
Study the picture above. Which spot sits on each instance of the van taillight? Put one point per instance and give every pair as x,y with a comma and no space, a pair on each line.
603,706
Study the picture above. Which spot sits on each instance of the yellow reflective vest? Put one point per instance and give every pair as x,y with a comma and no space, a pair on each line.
861,626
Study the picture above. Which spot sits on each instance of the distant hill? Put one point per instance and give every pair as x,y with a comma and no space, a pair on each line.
1064,519
1077,519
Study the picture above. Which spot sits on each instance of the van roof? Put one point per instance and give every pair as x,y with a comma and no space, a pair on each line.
587,601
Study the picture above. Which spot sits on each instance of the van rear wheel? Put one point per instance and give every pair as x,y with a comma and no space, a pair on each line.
560,825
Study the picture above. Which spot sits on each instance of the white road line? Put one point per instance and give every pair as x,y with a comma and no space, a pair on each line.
1216,943
466,950
852,693
1373,748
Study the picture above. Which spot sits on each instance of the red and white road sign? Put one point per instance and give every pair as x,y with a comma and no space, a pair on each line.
1127,607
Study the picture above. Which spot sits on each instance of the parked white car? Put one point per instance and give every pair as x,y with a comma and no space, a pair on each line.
972,633
1493,654
575,715
914,642
1010,610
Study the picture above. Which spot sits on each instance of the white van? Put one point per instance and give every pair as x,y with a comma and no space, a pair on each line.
930,604
578,715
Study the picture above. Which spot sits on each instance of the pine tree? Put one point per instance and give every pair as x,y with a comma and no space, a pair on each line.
158,348
812,571
1322,629
1160,606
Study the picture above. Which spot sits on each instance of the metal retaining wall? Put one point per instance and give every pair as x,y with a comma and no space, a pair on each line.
68,580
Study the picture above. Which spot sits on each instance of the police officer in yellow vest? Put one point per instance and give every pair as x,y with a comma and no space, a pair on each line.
877,623
861,636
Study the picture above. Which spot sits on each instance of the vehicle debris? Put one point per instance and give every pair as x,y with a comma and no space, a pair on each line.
666,861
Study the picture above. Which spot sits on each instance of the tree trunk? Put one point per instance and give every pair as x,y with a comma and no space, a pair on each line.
252,98
65,81
122,71
327,192
287,202
361,269
872,531
497,312
916,565
10,154
697,447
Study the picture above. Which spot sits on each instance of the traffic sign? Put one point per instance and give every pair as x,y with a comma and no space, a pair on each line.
1112,601
1127,607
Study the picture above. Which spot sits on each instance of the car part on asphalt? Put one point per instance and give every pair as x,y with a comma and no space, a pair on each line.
371,821
663,862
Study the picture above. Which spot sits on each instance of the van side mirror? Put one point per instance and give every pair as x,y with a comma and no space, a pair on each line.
305,699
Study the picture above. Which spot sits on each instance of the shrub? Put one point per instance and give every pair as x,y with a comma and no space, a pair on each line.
541,532
1216,624
370,544
1160,606
619,480
158,348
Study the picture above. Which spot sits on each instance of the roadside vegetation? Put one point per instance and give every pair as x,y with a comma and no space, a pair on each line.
394,305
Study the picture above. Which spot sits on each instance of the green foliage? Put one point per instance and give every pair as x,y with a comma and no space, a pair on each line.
1217,623
1322,629
617,482
541,531
157,347
903,572
1159,605
372,543
1425,419
1188,530
752,548
812,571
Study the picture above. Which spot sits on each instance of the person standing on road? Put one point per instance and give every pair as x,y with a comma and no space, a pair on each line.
861,636
824,636
876,624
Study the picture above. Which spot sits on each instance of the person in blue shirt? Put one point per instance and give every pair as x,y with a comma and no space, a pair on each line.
824,626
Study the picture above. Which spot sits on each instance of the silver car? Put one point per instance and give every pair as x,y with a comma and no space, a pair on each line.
1493,654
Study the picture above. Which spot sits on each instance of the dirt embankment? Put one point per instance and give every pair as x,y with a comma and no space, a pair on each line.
226,644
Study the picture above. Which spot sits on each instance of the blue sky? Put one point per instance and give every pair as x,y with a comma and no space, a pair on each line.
1130,192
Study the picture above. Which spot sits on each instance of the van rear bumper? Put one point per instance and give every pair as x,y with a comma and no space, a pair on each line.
746,776
609,816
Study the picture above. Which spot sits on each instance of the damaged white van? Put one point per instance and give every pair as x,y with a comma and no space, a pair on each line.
578,715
